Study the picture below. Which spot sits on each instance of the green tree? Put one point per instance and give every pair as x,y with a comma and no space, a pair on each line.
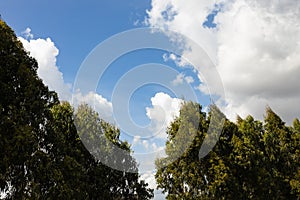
70,160
184,178
24,117
279,151
251,160
295,181
41,153
102,140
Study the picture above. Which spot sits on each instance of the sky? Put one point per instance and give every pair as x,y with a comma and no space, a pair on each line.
243,54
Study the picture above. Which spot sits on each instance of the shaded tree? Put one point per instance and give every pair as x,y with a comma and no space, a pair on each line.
295,181
24,117
102,140
41,153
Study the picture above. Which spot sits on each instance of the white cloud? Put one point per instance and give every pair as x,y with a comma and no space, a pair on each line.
149,177
255,48
180,78
173,56
97,102
189,79
260,65
45,52
27,33
164,109
136,139
154,146
158,149
166,57
178,60
145,144
185,17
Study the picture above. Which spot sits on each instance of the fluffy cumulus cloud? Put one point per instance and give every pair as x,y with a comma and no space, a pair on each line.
27,33
189,79
164,109
147,166
180,78
255,47
149,177
45,52
97,102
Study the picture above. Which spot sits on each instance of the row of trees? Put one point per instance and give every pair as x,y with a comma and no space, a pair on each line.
43,157
41,153
251,160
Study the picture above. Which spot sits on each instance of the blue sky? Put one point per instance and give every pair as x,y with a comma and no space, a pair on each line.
246,41
76,28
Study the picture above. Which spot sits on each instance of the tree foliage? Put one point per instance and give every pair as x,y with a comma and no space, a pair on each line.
102,140
41,152
251,160
24,117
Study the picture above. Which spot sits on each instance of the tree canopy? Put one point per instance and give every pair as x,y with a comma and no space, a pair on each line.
41,152
251,160
48,150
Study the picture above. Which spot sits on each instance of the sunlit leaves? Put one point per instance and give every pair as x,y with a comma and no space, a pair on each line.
251,160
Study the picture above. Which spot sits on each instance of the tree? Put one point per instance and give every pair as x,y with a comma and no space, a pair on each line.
295,181
251,160
41,153
279,151
24,116
102,140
